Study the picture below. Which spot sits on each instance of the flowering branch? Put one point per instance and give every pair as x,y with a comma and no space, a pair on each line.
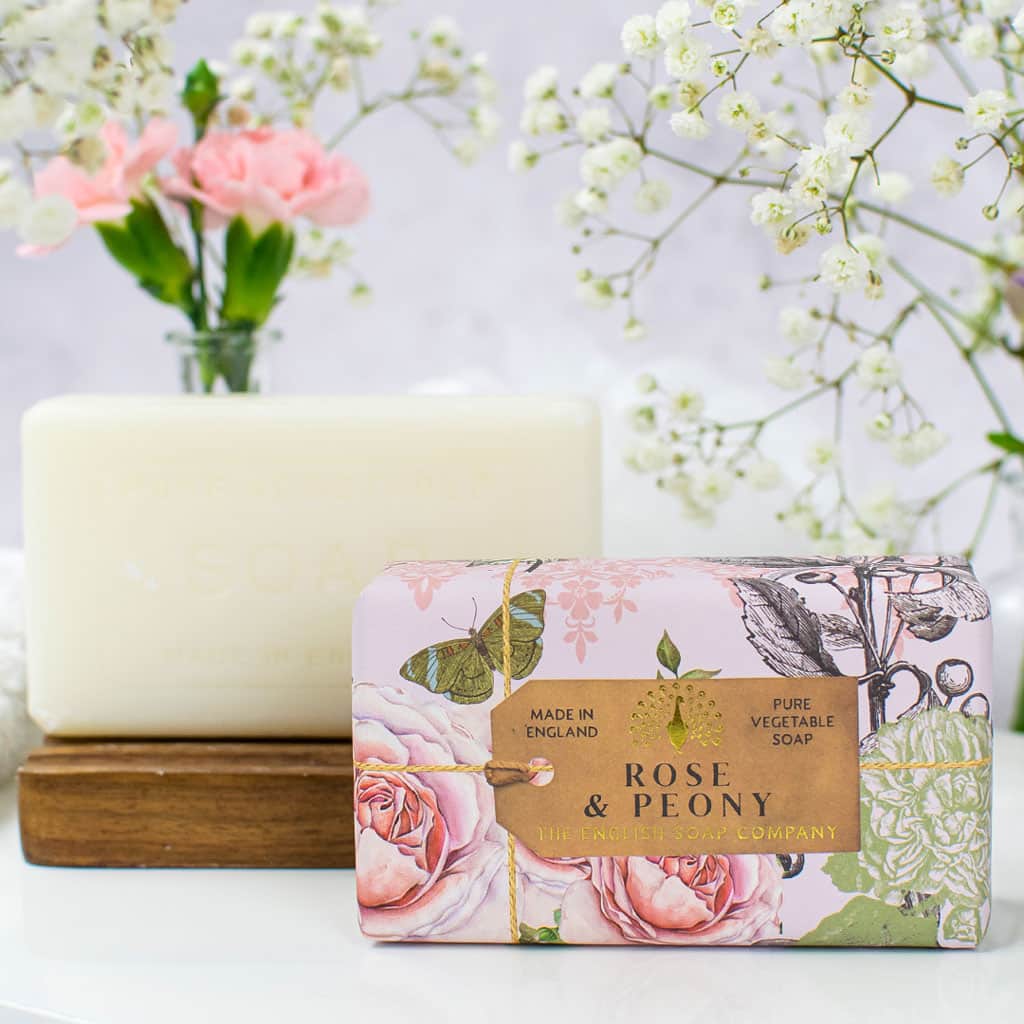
798,82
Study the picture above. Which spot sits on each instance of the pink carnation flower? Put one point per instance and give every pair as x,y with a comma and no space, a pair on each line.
107,194
267,176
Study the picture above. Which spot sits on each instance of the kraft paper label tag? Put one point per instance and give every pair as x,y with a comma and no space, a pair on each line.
675,767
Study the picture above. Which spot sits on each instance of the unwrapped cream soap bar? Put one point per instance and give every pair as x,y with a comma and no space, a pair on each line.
192,562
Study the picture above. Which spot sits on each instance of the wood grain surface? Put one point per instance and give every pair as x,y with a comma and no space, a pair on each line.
88,803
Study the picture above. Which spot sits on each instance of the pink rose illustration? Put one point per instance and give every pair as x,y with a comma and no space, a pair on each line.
428,852
720,900
267,176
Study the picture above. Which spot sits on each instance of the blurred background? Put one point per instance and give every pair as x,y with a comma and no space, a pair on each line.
474,291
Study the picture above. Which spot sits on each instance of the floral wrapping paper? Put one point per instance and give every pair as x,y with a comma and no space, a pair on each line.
432,864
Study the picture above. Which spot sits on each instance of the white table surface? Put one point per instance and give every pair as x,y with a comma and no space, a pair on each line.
148,947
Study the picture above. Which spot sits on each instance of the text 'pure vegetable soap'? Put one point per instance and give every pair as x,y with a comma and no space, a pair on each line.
678,751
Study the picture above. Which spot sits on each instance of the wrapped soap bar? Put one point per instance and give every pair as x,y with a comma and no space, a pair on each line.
785,751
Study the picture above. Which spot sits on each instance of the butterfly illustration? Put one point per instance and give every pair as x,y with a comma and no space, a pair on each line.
463,669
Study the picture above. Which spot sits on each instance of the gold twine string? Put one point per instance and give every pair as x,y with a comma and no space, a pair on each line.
881,766
506,669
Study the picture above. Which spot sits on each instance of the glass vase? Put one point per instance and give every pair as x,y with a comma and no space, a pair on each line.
232,360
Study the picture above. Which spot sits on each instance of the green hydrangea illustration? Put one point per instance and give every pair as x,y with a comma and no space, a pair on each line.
925,832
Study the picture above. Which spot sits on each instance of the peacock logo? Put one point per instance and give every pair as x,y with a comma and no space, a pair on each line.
685,713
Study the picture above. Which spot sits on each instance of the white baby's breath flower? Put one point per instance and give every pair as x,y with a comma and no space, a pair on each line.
711,485
914,64
544,117
599,81
467,150
843,269
784,373
687,405
652,196
672,19
591,201
918,445
821,455
771,209
892,187
979,41
123,15
486,121
660,97
14,200
856,97
792,238
758,42
686,56
520,157
17,112
689,92
596,168
847,131
719,66
643,418
689,124
873,247
593,123
997,9
902,26
542,84
568,213
763,130
634,330
947,176
820,162
985,110
444,33
797,325
764,475
878,368
792,24
1014,248
48,221
649,456
640,36
879,427
596,292
726,14
738,110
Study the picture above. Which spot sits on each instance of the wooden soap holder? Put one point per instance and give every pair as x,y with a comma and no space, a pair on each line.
187,804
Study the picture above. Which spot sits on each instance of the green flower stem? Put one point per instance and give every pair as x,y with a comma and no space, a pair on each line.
1018,718
201,315
704,172
987,258
969,356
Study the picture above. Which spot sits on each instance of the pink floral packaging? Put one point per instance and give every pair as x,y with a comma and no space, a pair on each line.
674,752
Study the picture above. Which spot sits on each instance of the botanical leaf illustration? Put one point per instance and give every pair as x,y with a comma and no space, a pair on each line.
961,596
668,653
924,621
839,632
869,922
543,934
700,673
782,630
